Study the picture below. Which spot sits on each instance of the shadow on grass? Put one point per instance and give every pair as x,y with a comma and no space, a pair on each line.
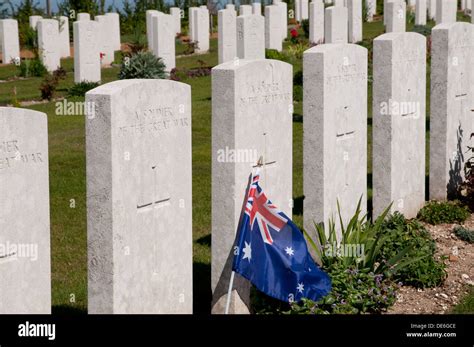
67,310
204,240
202,288
297,118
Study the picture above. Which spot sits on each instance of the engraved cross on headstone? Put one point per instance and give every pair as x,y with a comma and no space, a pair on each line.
152,204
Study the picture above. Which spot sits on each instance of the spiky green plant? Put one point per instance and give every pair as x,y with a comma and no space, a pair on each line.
142,65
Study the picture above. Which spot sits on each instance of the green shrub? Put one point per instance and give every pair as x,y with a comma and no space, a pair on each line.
466,306
80,89
32,68
438,212
297,93
274,54
353,291
426,271
362,281
422,29
142,65
464,234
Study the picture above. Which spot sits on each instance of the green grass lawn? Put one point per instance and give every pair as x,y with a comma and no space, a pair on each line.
68,181
466,306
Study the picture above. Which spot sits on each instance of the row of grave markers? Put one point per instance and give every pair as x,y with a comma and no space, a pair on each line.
139,179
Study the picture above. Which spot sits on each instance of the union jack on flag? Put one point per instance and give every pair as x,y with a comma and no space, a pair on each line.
259,208
272,252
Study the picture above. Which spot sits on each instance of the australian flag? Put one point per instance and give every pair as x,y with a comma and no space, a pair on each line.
272,252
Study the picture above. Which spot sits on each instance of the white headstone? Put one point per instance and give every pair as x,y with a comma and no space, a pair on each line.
48,43
34,20
251,37
245,10
176,13
164,35
9,41
106,43
192,23
452,57
83,16
139,206
371,8
115,23
257,8
284,17
251,117
149,26
396,16
230,7
64,40
304,9
227,35
25,264
335,132
446,11
86,51
420,12
354,10
335,24
298,10
399,123
432,9
202,30
316,21
273,28
338,3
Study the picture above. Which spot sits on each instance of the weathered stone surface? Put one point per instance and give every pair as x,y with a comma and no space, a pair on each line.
335,132
452,57
273,28
25,266
446,11
399,123
149,26
86,51
202,30
335,24
106,43
164,36
245,10
9,41
48,43
316,21
227,35
115,24
396,16
176,13
34,20
251,37
251,117
354,9
420,12
139,206
64,40
83,16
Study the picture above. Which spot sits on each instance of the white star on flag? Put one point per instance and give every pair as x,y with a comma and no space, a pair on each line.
247,251
289,251
300,287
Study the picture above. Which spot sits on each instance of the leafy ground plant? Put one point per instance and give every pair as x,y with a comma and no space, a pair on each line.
438,212
362,281
464,234
401,233
80,89
142,65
